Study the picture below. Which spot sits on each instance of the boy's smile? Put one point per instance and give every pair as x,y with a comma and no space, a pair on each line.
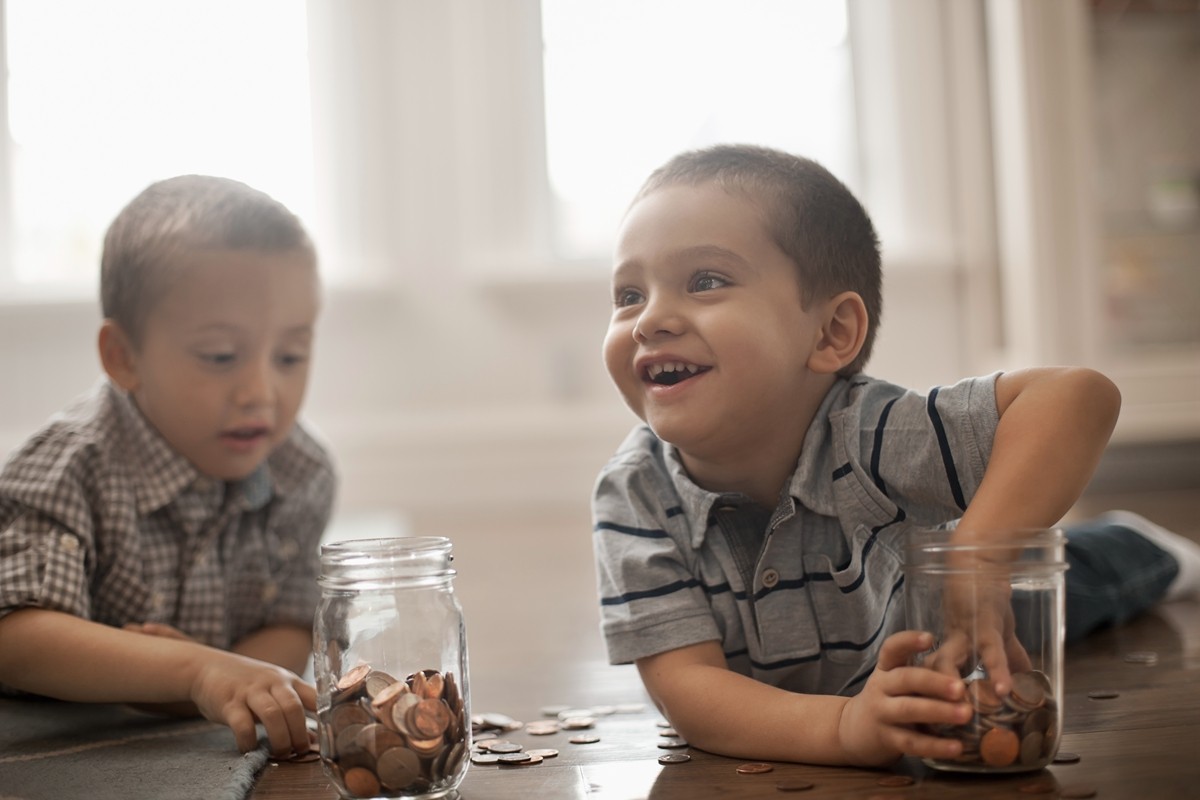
223,362
708,341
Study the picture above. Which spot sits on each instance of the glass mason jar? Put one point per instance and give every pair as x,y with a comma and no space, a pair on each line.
1000,602
390,653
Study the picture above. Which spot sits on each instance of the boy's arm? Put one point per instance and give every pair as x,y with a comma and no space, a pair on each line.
725,712
1054,425
289,646
63,656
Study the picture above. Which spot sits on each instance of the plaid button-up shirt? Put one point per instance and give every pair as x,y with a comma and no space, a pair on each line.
100,518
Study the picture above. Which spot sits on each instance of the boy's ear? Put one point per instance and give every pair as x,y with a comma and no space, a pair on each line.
842,334
117,355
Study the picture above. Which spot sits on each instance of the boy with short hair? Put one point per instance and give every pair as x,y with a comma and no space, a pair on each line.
158,539
748,537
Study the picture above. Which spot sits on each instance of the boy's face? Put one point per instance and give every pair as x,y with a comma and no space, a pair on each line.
224,357
709,343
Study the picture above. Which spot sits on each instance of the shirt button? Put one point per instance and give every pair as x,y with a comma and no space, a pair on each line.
269,592
770,578
68,543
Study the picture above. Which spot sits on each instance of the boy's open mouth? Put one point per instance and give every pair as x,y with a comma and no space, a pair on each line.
673,372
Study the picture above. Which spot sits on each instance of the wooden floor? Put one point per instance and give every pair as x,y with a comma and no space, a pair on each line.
527,589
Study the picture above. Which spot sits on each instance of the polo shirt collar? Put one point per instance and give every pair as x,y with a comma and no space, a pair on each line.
811,484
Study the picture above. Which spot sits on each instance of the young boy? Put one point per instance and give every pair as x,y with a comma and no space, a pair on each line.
748,537
158,540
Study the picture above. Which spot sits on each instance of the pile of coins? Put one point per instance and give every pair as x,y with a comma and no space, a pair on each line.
381,736
1016,732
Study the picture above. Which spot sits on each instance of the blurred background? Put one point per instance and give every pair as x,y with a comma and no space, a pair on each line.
1033,169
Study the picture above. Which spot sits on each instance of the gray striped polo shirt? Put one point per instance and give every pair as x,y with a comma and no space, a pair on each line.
801,596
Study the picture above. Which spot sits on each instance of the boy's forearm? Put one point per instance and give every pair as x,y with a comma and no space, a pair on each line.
731,714
287,646
62,656
1054,426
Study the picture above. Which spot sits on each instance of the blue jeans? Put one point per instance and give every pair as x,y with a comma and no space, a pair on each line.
1115,574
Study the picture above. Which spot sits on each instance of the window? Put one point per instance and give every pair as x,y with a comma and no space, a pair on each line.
629,83
105,98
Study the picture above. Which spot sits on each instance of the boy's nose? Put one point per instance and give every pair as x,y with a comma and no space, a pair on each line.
658,318
255,386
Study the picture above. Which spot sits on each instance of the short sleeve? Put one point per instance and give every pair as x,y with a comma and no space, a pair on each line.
651,599
42,565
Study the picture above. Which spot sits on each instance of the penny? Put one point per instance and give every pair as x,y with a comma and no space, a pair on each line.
578,723
1038,787
398,768
1028,690
352,678
1064,757
514,758
1031,748
503,748
794,786
999,747
1077,792
484,758
668,732
572,713
674,758
584,738
361,782
542,728
1148,657
754,769
672,744
1103,694
428,719
895,780
548,752
983,696
376,681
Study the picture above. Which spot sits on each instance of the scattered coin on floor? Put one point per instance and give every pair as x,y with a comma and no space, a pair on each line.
513,758
528,761
672,744
895,780
794,786
584,738
754,769
1064,757
668,732
629,708
1147,657
1081,792
548,752
504,747
485,758
554,711
1103,694
1038,787
674,758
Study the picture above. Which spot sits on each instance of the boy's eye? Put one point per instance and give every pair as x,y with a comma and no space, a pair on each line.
291,359
626,297
218,358
706,281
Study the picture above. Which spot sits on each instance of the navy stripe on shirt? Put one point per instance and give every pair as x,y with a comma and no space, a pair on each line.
645,533
944,445
878,448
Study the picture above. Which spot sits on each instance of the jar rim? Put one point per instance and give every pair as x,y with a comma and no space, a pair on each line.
393,546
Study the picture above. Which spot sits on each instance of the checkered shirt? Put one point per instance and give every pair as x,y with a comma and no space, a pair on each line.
100,518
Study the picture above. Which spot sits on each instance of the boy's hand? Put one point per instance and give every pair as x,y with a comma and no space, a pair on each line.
979,630
877,725
240,691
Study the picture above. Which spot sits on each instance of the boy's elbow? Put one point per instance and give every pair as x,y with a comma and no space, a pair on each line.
1100,395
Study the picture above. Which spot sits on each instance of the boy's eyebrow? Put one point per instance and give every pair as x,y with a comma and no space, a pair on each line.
687,254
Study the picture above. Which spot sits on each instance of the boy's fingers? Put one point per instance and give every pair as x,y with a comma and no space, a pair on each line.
293,712
307,693
241,723
898,647
922,745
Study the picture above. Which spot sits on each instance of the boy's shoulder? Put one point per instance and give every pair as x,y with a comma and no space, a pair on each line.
84,431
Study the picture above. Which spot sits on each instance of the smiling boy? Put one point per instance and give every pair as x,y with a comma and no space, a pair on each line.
158,540
748,536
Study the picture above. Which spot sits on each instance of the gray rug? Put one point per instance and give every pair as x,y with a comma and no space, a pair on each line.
50,750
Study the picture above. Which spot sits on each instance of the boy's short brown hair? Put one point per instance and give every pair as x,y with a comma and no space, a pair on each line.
811,215
190,212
